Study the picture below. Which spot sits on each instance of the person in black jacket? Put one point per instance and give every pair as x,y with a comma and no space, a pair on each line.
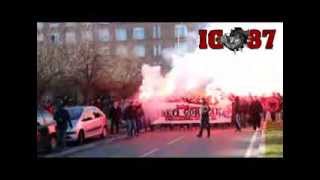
142,123
204,110
138,118
62,118
129,116
243,113
115,114
135,123
255,112
236,113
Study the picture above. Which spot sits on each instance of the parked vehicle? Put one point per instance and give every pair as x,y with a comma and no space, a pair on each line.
46,131
87,122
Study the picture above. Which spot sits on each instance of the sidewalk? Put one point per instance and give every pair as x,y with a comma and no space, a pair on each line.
271,139
107,140
274,139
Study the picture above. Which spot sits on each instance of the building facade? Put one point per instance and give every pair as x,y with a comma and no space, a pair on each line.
143,40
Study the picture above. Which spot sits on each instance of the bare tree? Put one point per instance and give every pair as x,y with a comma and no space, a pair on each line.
85,66
50,66
82,65
121,75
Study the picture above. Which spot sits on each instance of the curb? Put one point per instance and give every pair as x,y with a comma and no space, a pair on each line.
85,147
89,146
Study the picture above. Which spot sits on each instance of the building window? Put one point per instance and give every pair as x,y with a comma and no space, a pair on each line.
181,30
140,50
157,50
104,35
40,37
70,24
54,25
121,51
182,46
55,38
154,50
156,32
121,34
138,33
39,26
87,35
70,37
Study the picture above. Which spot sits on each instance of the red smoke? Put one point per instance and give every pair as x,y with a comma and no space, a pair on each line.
218,75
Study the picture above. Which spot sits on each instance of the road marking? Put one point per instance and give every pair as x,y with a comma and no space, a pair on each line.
149,152
250,148
176,140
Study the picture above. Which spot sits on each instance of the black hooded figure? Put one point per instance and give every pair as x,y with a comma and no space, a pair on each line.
236,113
255,113
61,116
204,119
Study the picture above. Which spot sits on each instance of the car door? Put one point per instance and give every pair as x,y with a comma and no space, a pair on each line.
88,123
98,122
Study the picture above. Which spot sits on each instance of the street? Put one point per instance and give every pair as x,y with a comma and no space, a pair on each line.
93,77
175,143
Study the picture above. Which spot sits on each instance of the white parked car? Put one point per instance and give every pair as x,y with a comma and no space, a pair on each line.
46,131
87,122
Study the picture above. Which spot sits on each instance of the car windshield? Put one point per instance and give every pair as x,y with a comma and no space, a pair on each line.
44,117
75,112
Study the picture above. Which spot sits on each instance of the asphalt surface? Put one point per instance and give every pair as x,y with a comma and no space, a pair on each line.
172,143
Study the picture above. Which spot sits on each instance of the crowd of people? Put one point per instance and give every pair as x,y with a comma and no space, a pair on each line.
133,114
130,114
250,111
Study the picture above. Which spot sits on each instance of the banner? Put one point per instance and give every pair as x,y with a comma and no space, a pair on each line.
191,112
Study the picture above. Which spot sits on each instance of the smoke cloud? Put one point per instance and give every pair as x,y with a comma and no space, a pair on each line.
216,73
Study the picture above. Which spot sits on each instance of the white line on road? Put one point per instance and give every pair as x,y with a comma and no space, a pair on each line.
253,139
176,140
149,152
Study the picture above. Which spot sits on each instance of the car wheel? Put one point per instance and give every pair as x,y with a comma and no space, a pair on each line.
81,137
104,132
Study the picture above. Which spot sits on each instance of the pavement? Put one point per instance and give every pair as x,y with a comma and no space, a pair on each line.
173,143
